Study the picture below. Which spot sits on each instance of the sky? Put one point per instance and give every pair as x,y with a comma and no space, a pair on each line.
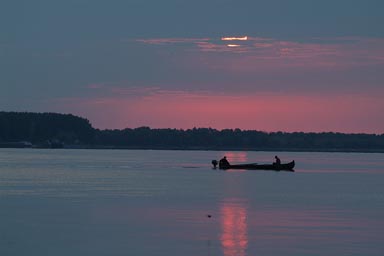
267,65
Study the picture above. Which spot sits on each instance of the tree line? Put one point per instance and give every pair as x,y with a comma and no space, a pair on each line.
71,131
40,128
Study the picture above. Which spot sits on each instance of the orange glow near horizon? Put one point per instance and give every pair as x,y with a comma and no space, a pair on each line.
244,38
234,236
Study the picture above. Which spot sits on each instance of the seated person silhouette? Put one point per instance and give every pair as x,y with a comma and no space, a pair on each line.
277,161
223,163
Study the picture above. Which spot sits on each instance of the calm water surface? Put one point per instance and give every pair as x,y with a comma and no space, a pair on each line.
144,202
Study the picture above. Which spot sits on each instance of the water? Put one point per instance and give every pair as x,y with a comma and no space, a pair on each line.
143,202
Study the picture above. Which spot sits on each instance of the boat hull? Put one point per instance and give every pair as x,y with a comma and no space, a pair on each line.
273,167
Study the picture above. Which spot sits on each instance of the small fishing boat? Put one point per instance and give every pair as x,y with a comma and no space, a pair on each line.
273,167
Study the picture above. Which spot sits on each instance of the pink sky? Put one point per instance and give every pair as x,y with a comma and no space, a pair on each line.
264,84
317,113
266,65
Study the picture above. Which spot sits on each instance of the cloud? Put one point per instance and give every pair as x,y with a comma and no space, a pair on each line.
342,51
243,38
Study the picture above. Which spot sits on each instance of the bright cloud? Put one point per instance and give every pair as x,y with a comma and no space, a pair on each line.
244,38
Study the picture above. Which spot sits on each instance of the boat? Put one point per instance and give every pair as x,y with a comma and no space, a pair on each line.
273,167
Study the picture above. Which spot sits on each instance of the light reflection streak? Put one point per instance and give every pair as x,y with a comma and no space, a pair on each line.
237,157
234,235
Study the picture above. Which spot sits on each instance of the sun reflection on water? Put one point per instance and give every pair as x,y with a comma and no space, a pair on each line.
236,157
234,234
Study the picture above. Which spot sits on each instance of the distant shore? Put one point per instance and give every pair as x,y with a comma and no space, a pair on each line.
105,147
52,130
335,150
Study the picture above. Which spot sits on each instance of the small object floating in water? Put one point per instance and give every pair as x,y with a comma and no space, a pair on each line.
209,215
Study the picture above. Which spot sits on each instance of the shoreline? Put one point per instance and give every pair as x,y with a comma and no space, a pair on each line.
186,148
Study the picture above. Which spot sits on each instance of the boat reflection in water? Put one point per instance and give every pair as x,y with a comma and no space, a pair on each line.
234,237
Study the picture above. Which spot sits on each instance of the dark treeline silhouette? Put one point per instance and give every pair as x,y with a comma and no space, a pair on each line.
75,131
207,138
40,128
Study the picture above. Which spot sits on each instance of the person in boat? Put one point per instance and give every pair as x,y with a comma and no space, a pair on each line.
223,163
277,161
